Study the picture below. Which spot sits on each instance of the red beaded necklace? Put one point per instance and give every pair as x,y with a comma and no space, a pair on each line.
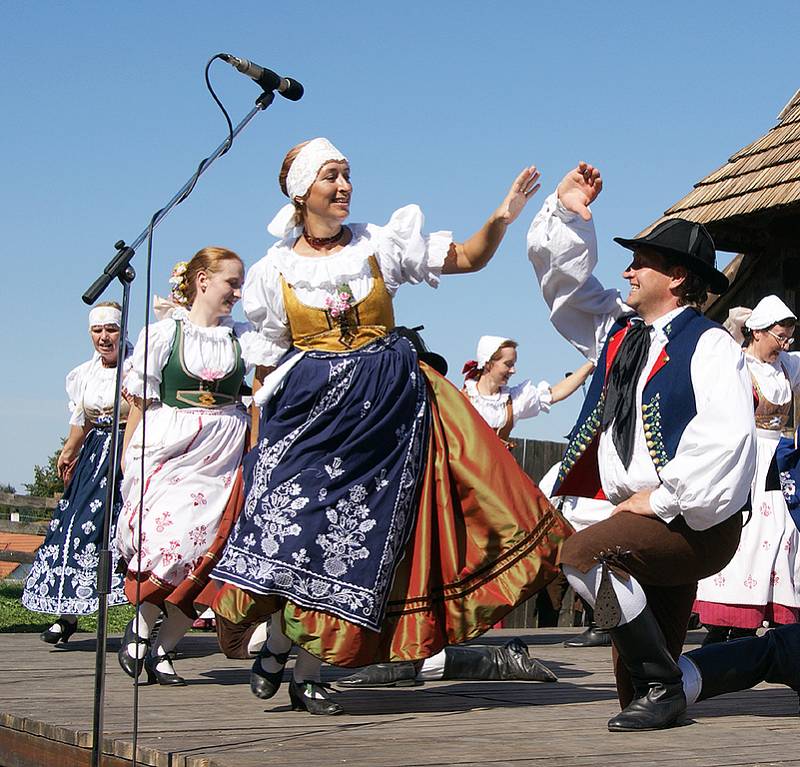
319,243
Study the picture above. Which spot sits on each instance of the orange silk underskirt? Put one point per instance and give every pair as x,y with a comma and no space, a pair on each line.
485,539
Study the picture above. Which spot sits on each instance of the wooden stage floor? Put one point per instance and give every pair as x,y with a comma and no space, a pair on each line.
46,709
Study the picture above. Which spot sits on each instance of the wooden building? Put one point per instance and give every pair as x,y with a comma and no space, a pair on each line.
751,206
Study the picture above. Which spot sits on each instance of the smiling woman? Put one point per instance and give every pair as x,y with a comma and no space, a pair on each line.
181,470
363,534
762,581
63,578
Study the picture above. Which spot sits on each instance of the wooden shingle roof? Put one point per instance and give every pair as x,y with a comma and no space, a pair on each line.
763,176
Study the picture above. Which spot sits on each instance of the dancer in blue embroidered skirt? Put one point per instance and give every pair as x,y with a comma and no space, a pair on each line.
383,517
63,579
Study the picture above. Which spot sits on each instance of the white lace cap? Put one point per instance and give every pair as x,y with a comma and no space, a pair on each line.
767,312
302,173
487,346
105,315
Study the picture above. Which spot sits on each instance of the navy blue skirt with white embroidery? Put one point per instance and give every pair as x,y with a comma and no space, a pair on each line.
331,486
63,578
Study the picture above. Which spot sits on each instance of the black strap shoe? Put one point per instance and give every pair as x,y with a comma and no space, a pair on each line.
264,684
402,674
130,665
54,637
312,697
162,677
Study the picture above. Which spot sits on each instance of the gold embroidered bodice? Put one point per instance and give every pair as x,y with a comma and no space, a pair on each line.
316,329
769,415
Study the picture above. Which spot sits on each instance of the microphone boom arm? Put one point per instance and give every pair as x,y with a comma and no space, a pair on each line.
117,265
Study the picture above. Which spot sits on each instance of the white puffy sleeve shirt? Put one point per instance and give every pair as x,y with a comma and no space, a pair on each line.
563,250
709,478
527,401
92,387
405,254
207,351
777,380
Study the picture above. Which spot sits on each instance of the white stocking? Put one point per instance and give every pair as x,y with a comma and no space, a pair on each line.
257,638
172,630
692,680
432,668
143,622
630,594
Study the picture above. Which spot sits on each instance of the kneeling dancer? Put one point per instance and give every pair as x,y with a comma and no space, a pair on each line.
666,434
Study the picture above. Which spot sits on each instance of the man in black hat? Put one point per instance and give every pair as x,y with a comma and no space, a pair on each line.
666,434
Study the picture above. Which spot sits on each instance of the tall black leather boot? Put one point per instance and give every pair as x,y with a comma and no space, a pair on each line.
511,661
594,636
742,663
656,677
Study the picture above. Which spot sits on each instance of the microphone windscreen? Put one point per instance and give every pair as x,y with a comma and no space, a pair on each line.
293,91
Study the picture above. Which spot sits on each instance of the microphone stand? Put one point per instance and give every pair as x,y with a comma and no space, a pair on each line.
119,268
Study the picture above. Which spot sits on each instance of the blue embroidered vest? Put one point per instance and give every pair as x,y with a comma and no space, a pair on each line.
667,408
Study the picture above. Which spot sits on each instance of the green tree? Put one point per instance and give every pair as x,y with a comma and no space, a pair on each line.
6,487
46,481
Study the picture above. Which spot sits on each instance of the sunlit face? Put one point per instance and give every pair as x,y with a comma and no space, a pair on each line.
329,195
500,369
767,344
651,281
220,290
105,339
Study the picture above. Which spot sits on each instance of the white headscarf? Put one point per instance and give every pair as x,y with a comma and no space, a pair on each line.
105,315
302,173
487,346
767,312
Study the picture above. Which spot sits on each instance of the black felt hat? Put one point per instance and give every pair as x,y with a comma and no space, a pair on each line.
687,243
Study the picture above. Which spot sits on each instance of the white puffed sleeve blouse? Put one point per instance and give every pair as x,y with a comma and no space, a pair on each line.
207,351
403,252
527,401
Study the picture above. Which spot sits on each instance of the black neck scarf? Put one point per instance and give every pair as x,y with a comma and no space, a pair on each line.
620,404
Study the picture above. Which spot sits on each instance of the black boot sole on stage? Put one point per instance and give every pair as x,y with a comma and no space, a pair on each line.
401,674
592,637
130,665
657,679
54,637
303,696
264,684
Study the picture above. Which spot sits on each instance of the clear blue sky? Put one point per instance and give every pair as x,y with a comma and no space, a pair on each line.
105,115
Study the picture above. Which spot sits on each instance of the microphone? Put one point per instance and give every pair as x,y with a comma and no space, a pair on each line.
266,78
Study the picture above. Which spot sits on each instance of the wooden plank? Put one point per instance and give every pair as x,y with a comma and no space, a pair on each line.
216,722
21,749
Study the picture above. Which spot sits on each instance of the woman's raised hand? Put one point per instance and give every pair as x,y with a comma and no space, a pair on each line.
524,187
579,188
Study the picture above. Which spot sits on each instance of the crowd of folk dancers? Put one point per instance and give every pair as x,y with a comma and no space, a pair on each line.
369,514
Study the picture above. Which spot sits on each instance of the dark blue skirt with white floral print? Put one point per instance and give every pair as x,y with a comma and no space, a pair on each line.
331,486
63,579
